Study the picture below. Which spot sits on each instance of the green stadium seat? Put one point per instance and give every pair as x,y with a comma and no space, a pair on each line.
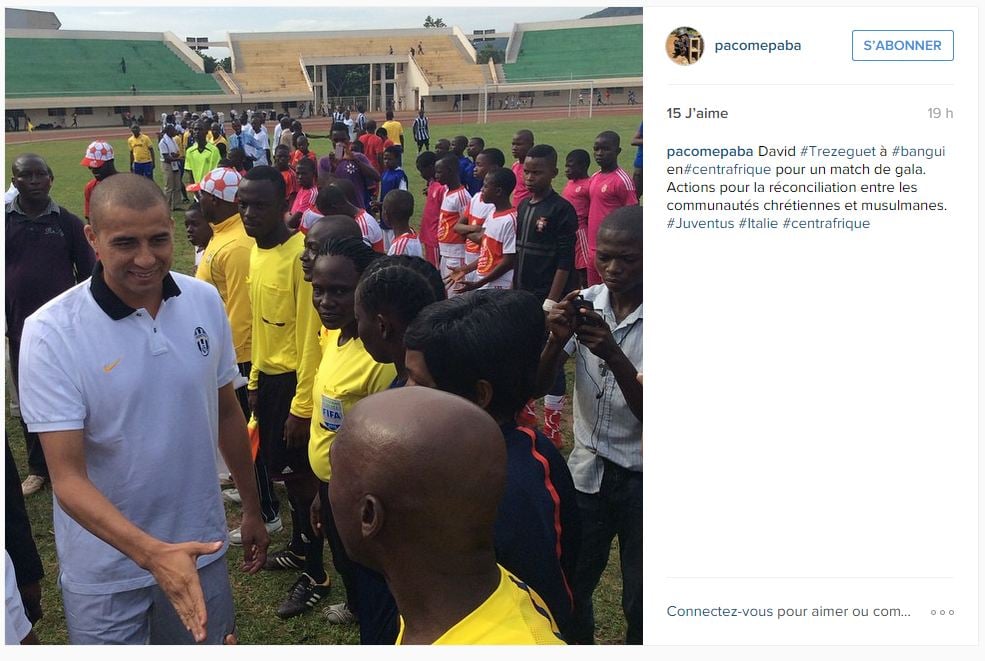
91,67
614,51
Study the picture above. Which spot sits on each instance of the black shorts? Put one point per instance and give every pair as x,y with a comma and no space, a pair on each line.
274,395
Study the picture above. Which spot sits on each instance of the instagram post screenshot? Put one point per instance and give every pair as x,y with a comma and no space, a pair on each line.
813,235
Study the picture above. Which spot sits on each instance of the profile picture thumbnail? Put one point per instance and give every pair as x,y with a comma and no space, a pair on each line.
685,46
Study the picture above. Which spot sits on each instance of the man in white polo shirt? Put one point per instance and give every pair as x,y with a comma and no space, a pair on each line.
128,380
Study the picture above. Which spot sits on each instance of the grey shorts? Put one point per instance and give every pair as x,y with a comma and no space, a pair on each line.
144,615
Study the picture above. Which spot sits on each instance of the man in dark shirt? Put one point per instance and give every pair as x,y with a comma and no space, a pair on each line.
545,251
47,253
545,231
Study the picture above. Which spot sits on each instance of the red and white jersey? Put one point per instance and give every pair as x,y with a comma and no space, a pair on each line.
407,244
454,210
477,213
499,239
371,230
607,192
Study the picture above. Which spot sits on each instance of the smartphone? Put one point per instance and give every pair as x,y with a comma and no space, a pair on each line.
578,302
339,150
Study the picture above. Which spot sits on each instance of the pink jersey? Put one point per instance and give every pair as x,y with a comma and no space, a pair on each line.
432,210
520,192
499,239
607,192
371,230
407,244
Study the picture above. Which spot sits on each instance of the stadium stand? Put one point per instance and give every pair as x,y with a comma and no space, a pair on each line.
610,51
38,67
257,67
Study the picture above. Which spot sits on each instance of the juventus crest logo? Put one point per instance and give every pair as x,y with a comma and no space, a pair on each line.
202,339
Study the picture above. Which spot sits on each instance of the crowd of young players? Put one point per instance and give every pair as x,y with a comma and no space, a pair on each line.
504,280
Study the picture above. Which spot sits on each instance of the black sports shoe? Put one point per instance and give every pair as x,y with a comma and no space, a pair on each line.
284,559
305,593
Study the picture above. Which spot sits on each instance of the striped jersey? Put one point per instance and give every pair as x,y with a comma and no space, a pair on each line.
372,232
407,244
421,129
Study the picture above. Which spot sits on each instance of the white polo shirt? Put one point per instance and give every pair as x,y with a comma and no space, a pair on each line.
144,391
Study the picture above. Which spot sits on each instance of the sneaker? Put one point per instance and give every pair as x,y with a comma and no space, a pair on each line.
284,559
304,594
272,526
33,484
339,614
232,495
552,427
528,416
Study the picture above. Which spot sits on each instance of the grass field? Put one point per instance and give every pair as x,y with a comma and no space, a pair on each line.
258,596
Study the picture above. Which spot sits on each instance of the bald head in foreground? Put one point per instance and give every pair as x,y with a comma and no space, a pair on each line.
416,499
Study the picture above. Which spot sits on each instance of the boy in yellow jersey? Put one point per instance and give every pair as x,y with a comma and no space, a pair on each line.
226,265
346,375
405,506
285,357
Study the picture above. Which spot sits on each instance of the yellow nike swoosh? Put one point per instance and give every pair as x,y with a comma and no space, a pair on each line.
109,368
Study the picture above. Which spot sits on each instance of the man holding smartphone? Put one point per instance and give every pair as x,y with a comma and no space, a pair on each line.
346,163
603,324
